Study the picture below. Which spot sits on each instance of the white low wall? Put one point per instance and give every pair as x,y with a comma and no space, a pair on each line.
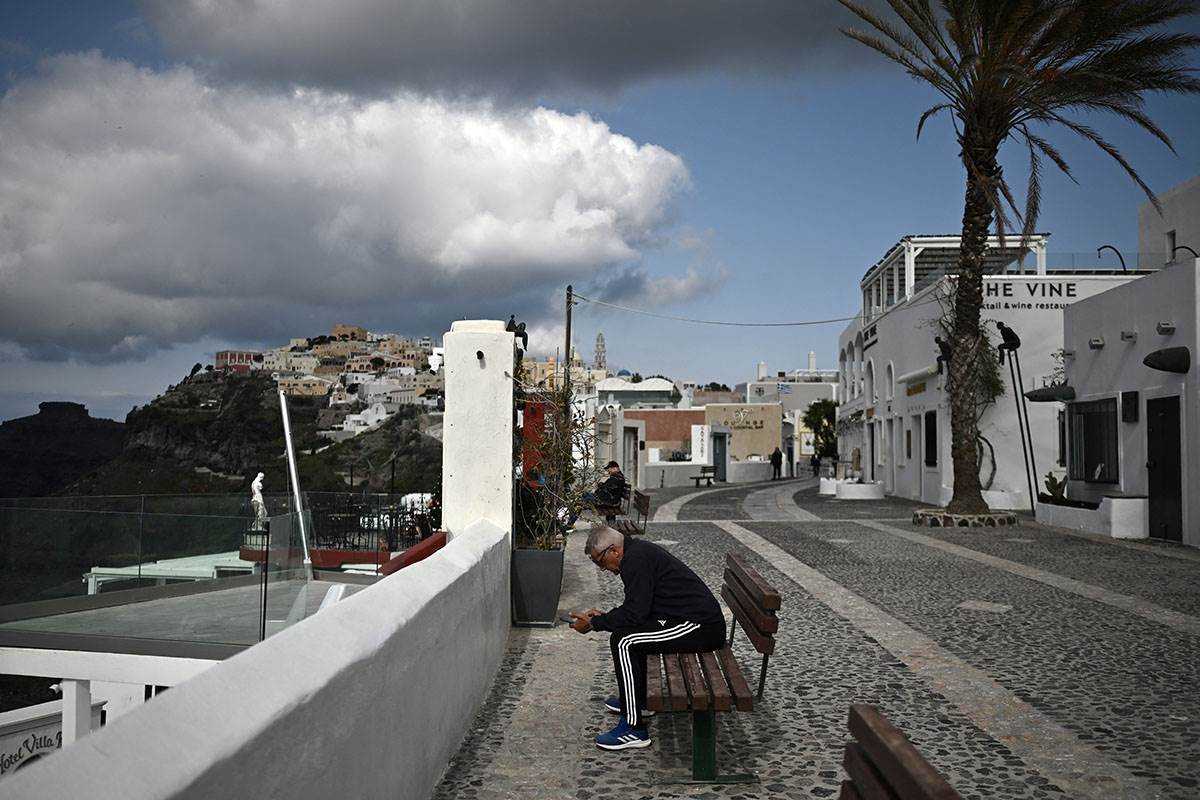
1118,517
748,471
859,491
369,698
658,474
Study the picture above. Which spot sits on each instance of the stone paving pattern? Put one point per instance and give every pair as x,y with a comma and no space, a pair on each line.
1118,682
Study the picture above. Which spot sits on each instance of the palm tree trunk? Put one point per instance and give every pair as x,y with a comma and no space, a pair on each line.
969,345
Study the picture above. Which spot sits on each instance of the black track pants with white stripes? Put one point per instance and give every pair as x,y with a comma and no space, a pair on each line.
631,645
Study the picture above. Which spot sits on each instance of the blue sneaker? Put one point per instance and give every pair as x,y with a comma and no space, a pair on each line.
623,737
613,704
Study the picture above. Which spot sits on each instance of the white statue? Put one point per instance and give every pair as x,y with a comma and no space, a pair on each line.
257,503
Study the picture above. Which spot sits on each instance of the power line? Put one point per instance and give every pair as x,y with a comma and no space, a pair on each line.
673,318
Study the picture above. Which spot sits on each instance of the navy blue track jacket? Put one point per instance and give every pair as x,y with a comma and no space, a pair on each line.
658,586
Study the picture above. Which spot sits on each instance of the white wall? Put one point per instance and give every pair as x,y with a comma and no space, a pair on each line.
368,699
1180,213
1169,295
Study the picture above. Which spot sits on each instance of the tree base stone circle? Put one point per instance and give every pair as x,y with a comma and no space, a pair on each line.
941,519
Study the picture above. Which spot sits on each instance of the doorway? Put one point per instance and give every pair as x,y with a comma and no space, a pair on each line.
719,443
1164,468
629,455
871,451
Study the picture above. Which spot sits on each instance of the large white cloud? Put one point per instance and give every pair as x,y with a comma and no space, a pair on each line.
142,208
514,47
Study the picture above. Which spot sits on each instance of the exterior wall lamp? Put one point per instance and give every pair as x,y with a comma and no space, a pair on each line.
1165,328
1128,336
1096,343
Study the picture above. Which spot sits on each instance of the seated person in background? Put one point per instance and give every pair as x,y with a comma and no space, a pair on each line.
609,493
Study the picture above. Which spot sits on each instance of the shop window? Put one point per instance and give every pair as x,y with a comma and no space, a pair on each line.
931,439
1062,438
1092,428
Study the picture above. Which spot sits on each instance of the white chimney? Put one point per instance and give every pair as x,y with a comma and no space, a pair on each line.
762,370
812,359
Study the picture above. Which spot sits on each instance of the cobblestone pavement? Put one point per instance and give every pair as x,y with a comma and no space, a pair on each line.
1014,683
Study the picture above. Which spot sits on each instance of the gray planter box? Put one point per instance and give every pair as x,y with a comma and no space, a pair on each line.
536,583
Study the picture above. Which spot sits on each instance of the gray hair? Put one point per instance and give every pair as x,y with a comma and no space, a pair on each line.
602,537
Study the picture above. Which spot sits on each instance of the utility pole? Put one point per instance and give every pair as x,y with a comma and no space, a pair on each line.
567,351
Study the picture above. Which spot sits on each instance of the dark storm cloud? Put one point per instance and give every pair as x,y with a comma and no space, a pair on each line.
512,48
142,209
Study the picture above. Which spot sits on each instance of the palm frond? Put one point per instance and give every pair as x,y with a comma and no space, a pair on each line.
929,112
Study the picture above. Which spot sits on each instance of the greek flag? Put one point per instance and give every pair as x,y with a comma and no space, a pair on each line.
783,388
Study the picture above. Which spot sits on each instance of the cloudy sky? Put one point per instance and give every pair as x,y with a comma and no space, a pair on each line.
182,176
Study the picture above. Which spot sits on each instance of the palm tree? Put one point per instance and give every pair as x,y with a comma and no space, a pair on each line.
1004,68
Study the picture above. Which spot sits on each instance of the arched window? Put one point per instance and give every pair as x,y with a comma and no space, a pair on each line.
889,385
872,397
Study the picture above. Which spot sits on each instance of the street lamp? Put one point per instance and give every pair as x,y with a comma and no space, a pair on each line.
1115,250
1183,247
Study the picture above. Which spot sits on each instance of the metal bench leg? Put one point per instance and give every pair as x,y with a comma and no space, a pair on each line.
704,745
704,752
762,677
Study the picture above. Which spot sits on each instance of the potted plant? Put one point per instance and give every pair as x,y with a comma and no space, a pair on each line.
549,490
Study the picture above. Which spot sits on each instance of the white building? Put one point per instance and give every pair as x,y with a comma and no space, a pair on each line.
1133,428
649,393
894,420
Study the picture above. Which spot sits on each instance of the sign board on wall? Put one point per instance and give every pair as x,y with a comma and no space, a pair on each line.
29,733
700,437
1029,295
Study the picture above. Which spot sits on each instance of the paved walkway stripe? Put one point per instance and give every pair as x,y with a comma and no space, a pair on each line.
776,503
669,511
1061,757
1134,605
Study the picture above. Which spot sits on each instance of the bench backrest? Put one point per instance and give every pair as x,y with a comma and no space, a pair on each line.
882,763
708,470
752,602
641,503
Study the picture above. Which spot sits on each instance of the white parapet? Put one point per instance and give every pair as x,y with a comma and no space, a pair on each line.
859,491
477,464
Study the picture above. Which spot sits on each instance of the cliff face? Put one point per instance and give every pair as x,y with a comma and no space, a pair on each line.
225,423
42,453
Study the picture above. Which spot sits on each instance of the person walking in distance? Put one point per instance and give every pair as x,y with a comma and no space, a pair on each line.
776,464
667,609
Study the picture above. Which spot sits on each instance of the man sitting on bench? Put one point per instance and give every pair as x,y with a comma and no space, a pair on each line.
609,493
667,609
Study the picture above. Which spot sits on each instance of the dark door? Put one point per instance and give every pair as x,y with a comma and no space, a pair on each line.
719,458
1164,468
870,451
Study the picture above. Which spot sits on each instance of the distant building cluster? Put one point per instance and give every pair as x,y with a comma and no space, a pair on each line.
363,377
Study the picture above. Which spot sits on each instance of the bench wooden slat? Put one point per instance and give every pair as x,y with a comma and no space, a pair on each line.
679,700
696,686
762,593
895,757
849,792
743,699
641,502
654,684
763,643
765,621
867,780
722,699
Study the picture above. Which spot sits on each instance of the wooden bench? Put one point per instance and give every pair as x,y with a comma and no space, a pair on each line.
627,525
707,683
882,764
706,474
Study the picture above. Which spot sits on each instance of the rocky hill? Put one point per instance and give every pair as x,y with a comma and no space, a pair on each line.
42,453
210,434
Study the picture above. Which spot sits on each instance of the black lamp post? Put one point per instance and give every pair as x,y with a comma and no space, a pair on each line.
1120,257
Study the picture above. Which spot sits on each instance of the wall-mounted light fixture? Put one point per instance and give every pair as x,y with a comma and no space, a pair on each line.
1165,328
1128,336
1068,353
1096,342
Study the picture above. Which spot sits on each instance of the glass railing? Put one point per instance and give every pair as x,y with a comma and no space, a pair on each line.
126,569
